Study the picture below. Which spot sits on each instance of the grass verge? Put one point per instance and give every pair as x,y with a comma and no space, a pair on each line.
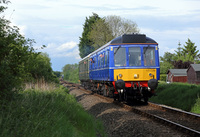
179,95
47,113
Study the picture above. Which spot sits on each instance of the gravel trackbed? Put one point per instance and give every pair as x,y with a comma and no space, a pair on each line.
119,122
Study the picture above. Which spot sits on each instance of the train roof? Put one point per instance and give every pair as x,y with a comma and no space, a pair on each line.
125,39
133,38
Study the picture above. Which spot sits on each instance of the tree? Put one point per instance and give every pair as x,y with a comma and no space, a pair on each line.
179,52
18,60
85,45
100,34
166,62
120,26
107,28
190,51
39,67
98,31
14,52
71,72
182,65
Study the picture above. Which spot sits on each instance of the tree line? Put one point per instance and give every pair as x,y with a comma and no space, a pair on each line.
181,59
19,62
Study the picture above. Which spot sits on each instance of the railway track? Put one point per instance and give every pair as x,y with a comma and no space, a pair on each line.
182,121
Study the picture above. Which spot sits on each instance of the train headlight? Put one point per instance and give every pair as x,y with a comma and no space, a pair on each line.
120,75
136,75
150,74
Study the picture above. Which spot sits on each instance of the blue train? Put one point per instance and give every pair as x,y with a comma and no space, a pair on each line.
125,68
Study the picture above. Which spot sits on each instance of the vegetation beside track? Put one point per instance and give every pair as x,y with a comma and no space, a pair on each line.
180,95
46,113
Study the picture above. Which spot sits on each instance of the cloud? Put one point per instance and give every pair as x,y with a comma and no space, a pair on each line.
67,46
68,49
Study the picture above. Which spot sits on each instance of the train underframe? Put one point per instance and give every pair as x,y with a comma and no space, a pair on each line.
128,91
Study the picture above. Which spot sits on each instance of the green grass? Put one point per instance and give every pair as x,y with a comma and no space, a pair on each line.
196,107
179,95
47,113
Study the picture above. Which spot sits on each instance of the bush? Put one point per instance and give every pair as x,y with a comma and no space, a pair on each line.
163,77
179,95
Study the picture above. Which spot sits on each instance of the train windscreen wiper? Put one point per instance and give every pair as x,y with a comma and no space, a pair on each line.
117,49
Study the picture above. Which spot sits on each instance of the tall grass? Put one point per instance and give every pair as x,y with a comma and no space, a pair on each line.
46,113
180,95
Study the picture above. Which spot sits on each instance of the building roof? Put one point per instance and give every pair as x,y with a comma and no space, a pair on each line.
178,72
196,67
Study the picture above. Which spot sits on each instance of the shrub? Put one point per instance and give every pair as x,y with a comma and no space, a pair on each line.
180,95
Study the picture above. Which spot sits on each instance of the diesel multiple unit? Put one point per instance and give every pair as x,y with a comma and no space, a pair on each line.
126,68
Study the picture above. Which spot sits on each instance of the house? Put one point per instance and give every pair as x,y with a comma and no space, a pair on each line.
177,75
193,74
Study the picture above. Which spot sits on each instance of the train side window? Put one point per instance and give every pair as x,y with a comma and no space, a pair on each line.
149,56
91,63
134,56
102,59
95,62
99,60
106,58
120,56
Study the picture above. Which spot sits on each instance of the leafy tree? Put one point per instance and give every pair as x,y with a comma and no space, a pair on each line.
181,65
39,67
107,28
100,33
120,26
18,60
71,72
57,74
85,45
168,57
166,62
14,52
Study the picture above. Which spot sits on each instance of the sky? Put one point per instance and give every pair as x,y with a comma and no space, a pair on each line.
58,24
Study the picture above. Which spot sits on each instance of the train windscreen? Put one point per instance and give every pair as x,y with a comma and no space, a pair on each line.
149,56
134,56
120,56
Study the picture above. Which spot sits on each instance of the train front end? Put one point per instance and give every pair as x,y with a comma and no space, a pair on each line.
135,67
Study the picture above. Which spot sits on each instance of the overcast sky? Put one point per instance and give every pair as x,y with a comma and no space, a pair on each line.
58,24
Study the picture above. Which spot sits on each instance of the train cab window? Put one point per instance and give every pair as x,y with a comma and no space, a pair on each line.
149,56
120,56
134,56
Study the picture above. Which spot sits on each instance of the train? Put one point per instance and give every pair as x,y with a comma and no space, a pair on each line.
126,68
